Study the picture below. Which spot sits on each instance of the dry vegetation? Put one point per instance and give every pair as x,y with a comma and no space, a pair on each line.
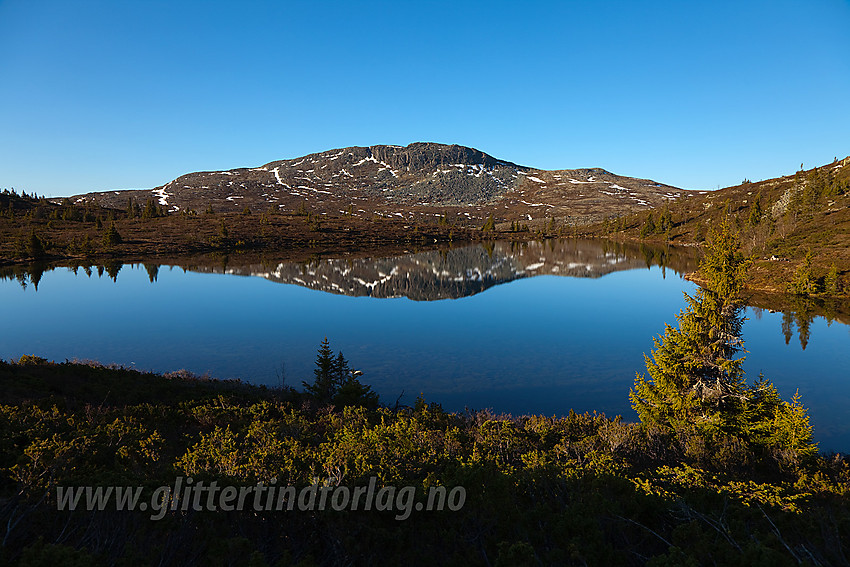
780,221
796,228
37,230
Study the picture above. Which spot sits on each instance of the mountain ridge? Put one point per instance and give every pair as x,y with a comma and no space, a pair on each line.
417,181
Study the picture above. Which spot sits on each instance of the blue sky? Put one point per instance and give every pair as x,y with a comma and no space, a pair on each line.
109,95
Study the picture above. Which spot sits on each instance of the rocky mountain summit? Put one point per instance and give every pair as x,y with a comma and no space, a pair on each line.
418,181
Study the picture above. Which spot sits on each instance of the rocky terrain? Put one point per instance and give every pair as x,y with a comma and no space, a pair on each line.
416,182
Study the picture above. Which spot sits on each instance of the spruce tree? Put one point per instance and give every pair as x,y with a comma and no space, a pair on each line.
151,211
330,373
355,393
696,378
35,247
648,227
832,284
665,223
756,211
336,383
695,374
489,224
804,282
111,236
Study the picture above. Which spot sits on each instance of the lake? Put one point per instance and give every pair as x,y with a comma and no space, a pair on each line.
539,327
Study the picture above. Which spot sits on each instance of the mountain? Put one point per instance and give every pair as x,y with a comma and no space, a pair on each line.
414,182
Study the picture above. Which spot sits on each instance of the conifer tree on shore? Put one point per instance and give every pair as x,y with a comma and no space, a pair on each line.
336,383
695,376
695,382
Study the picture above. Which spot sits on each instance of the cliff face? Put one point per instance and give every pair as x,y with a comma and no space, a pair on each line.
413,182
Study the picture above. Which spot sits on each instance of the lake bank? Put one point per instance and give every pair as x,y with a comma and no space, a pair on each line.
609,491
523,328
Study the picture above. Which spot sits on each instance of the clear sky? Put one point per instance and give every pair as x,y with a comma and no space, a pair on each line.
99,95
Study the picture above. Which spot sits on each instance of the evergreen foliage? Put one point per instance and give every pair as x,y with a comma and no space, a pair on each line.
665,222
695,390
335,382
832,285
756,212
804,282
694,375
133,208
111,237
648,227
489,224
35,247
581,489
152,210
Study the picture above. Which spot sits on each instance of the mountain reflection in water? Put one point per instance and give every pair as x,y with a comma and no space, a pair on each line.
564,324
460,272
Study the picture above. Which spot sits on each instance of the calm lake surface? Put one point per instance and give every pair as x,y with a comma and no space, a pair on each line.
535,328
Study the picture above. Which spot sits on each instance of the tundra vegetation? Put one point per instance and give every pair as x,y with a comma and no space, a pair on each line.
717,471
35,230
779,220
797,228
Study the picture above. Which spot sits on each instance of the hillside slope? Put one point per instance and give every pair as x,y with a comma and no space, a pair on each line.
412,182
779,221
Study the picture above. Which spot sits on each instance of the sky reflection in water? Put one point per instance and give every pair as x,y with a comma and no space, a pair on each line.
544,344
